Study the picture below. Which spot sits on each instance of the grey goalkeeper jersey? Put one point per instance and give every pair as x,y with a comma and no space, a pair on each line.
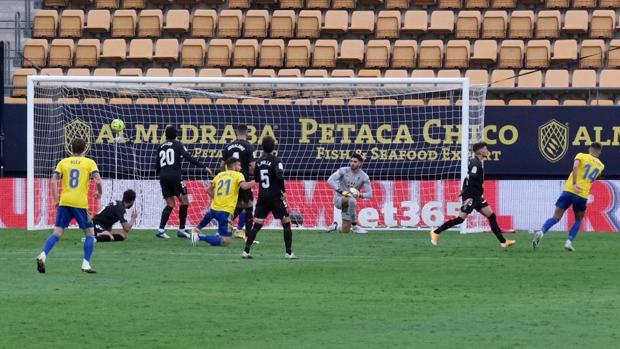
345,178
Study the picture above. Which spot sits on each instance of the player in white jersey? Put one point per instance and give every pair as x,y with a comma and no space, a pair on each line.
347,182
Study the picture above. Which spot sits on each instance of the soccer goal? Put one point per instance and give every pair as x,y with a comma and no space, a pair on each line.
413,133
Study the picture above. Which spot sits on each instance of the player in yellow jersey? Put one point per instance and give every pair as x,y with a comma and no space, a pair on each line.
224,190
586,169
75,173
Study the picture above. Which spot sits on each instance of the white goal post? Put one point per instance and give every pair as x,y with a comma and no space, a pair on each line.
414,134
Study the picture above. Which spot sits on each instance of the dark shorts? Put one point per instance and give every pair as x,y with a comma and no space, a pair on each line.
224,222
100,229
245,195
476,203
277,206
64,215
172,186
568,199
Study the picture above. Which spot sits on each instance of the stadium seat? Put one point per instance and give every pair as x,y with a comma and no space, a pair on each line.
263,73
20,81
98,21
613,54
521,24
378,54
538,54
133,72
396,4
584,3
133,4
157,72
229,24
404,54
256,24
333,101
45,24
309,24
609,4
271,53
424,2
104,72
146,100
442,22
450,4
204,23
107,4
55,3
351,52
71,24
237,73
576,22
342,73
245,53
603,24
184,73
94,100
239,4
150,23
61,53
584,78
477,76
140,50
602,102
289,73
322,4
280,101
388,24
503,4
519,102
485,52
325,52
530,78
87,53
51,72
291,4
283,24
547,102
457,54
35,53
548,24
68,100
362,22
210,72
564,51
468,25
336,22
592,53
386,102
413,102
503,78
438,102
511,54
298,53
556,78
557,4
423,73
344,4
431,54
219,53
177,22
192,53
396,73
610,78
479,4
167,51
124,23
415,22
316,73
252,101
113,51
449,73
494,25
120,101
359,102
369,73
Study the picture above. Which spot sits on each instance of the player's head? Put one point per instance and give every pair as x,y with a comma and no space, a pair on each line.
233,164
78,146
595,149
241,131
129,197
171,132
268,144
480,148
356,161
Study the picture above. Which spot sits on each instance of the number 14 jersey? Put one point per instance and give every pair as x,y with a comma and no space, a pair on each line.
590,168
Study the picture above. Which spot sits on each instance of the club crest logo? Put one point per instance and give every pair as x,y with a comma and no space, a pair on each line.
553,140
78,128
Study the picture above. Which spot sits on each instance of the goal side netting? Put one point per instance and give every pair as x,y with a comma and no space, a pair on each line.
414,136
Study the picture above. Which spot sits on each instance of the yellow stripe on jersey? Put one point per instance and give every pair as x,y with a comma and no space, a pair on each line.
590,168
226,191
75,172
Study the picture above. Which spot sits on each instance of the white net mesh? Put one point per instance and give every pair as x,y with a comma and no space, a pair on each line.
408,133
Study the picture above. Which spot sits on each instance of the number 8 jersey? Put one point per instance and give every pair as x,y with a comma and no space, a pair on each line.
590,168
226,191
75,172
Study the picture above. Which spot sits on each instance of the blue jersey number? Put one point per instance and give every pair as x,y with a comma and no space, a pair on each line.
220,186
590,175
74,178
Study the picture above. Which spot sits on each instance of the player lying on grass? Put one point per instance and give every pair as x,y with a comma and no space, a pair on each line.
347,182
75,172
224,190
271,198
586,169
112,213
473,200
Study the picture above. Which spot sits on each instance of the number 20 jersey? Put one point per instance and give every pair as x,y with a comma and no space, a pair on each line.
590,168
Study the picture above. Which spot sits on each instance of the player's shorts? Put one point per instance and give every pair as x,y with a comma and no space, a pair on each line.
245,195
471,204
345,213
64,215
277,206
99,228
568,199
172,186
224,222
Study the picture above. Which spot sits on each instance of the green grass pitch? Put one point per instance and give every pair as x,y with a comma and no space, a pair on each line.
381,290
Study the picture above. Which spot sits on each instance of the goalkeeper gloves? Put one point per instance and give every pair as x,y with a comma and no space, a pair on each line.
344,193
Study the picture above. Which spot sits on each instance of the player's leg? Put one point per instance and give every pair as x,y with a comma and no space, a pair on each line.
81,216
579,208
181,233
103,236
240,231
248,208
486,211
222,238
466,208
347,218
206,219
280,211
561,205
63,218
165,215
262,210
337,205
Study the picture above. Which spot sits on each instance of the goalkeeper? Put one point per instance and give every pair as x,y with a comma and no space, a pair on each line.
347,182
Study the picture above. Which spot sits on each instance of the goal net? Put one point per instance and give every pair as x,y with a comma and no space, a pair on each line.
414,136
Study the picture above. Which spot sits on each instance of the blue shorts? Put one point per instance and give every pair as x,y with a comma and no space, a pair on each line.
567,199
224,224
64,215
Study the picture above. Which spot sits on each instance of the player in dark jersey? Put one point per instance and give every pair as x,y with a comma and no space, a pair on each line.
112,213
168,164
244,151
473,199
271,198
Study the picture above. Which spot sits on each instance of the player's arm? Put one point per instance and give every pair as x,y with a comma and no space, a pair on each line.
128,225
245,185
576,164
186,155
98,184
56,176
367,193
157,164
334,182
280,176
210,190
251,160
